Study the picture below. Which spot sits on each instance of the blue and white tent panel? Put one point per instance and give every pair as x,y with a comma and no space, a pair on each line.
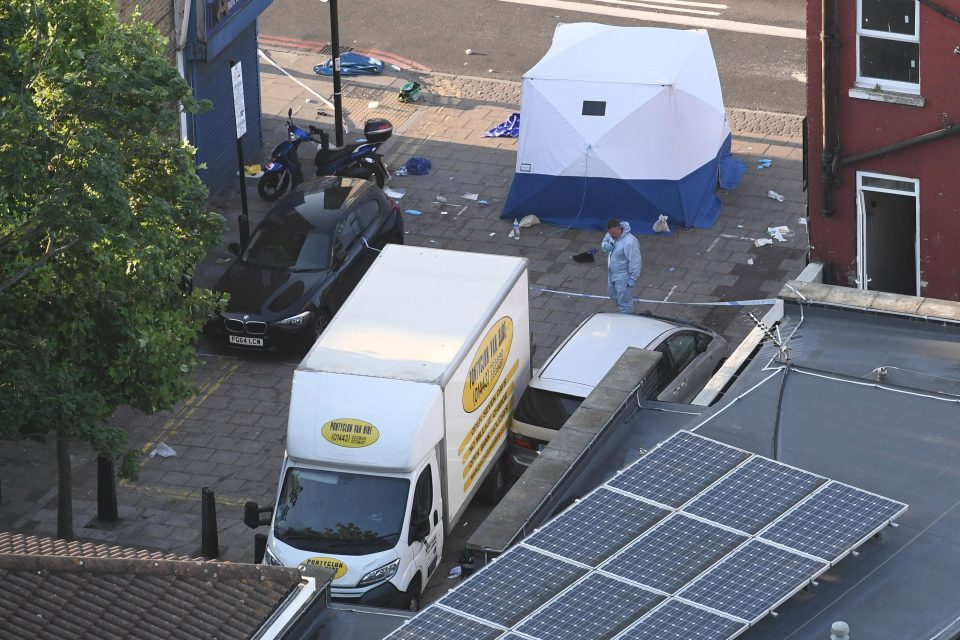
623,122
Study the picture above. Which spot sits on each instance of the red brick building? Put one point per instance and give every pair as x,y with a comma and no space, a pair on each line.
883,162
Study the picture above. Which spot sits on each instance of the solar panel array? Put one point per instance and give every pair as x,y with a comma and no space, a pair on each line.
696,540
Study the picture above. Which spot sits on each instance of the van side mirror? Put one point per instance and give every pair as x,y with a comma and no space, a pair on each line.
419,529
252,515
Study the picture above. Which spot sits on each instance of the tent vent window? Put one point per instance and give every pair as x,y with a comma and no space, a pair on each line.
594,108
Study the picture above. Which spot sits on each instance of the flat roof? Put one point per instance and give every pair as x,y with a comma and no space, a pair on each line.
872,400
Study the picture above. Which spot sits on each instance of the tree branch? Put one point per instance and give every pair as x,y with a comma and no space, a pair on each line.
48,253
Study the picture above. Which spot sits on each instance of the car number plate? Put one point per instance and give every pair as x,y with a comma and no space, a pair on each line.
246,341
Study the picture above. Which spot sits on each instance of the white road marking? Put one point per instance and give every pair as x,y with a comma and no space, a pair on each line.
651,16
660,7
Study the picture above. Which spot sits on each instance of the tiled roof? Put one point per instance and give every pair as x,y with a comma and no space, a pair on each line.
66,590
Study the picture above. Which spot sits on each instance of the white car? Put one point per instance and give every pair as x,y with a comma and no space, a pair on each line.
690,355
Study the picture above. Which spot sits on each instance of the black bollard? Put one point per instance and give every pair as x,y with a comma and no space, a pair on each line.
106,490
259,547
209,540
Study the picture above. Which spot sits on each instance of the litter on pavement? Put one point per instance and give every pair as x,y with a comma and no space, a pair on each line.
163,450
417,166
410,92
482,203
661,226
455,571
762,242
396,194
585,256
777,233
414,212
470,196
509,128
529,220
776,196
764,163
351,64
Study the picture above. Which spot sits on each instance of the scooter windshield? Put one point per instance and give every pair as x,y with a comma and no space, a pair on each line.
340,513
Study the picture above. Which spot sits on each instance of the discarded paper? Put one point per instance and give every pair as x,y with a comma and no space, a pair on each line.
163,450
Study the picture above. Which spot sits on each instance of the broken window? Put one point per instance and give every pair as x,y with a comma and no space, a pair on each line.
888,45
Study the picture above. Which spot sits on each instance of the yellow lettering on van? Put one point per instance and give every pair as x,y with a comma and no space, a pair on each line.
487,364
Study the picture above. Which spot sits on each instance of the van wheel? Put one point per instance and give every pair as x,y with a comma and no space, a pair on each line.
411,599
495,485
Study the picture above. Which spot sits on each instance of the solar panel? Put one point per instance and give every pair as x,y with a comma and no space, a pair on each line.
833,520
678,469
754,495
675,620
512,586
597,607
607,522
695,541
434,622
752,581
672,554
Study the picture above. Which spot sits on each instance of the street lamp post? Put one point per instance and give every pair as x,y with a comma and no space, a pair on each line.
335,53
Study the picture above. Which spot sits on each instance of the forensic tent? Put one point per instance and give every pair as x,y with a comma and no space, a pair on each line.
622,122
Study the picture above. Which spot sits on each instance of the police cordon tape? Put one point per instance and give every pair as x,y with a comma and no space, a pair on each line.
719,303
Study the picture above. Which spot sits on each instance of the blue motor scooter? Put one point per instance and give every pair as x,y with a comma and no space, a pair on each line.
358,159
284,170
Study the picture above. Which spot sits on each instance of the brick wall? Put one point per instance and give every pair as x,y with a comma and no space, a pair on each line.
158,12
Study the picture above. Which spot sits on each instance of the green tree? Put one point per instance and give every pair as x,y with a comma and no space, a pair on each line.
102,219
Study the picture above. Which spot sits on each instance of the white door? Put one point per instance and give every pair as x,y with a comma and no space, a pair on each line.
888,233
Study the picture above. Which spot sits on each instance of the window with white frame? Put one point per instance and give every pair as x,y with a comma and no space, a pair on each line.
888,45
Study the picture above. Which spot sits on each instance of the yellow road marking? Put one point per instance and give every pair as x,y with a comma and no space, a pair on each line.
170,427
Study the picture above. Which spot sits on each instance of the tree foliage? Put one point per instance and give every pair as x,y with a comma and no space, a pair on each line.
102,217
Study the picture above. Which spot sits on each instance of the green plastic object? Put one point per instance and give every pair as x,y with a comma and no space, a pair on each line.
410,92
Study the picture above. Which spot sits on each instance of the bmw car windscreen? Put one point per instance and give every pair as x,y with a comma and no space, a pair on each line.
345,513
288,248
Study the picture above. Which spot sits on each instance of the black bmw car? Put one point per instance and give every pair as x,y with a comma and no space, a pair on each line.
302,262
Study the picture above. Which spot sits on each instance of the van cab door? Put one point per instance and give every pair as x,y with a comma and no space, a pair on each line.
425,536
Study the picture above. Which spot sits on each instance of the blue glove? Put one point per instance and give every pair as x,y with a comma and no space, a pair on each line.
607,244
631,283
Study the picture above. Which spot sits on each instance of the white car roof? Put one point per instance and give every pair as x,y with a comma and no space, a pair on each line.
579,364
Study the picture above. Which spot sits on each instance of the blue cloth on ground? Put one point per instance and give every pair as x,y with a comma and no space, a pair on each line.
510,128
418,166
351,64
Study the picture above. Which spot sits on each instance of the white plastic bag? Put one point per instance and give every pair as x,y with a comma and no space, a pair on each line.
661,226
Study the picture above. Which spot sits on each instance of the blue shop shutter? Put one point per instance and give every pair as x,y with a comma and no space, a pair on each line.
215,134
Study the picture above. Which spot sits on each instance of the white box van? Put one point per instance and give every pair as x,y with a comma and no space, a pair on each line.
398,417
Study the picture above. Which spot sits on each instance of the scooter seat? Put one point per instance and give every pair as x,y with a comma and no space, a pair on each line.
325,158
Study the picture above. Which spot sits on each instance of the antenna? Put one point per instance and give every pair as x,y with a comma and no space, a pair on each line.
775,339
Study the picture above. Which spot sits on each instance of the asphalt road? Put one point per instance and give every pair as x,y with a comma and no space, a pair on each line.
758,44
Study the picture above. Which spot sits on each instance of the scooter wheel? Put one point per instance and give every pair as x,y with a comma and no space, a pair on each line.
272,185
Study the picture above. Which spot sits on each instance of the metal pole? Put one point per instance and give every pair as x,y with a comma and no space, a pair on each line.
335,53
243,220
